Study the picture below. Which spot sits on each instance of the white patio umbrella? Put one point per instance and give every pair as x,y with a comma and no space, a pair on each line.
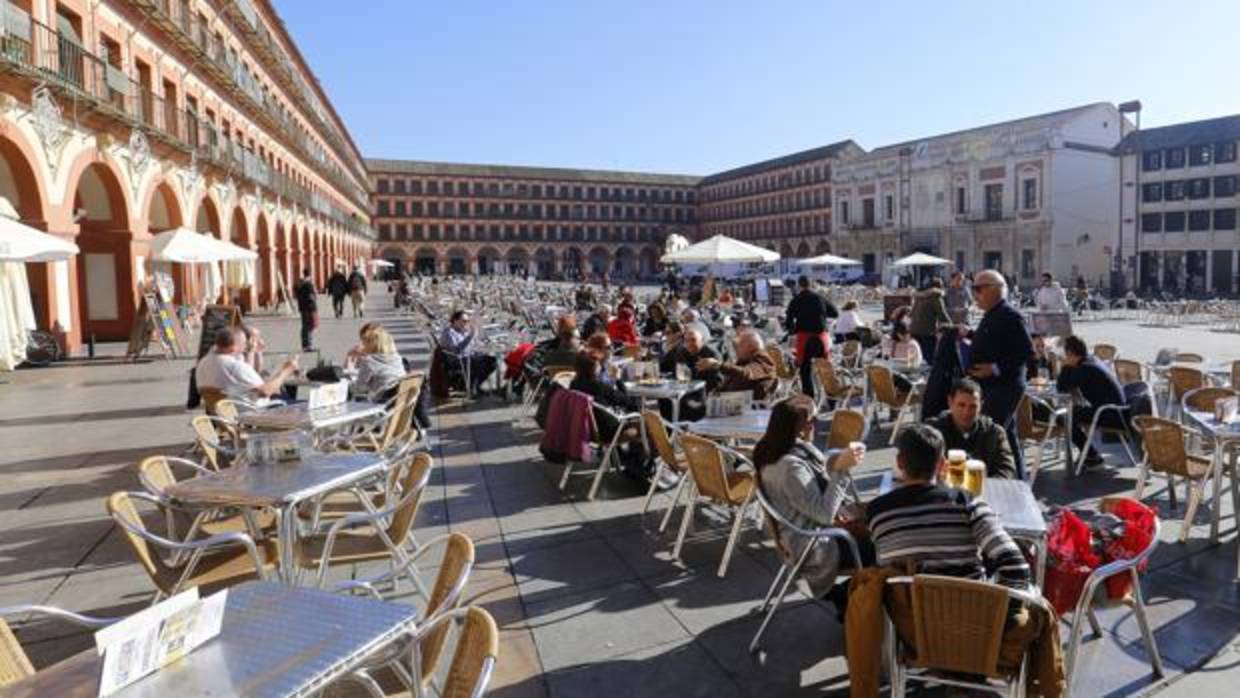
720,249
189,247
381,263
22,243
828,260
921,259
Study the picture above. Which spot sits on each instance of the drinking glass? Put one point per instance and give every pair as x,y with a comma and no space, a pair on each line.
974,476
956,467
683,374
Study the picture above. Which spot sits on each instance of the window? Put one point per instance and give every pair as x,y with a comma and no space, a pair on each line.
994,202
961,203
383,186
449,189
1199,188
402,231
419,233
1151,192
1224,219
1174,191
416,186
1151,222
400,208
1198,220
1173,222
1030,194
399,186
384,208
432,187
867,212
385,231
844,211
1174,158
416,208
1225,152
1151,160
1224,186
1199,155
1027,270
889,207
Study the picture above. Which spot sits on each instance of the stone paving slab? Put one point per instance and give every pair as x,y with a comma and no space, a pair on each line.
587,595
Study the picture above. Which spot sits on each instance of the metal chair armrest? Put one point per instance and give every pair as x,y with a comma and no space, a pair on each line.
58,613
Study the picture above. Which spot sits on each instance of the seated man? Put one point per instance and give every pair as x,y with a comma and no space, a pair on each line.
940,530
964,427
225,369
692,318
458,338
689,352
753,369
597,322
1097,385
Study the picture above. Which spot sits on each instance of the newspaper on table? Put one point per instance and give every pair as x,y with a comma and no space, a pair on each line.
156,637
1227,410
729,404
329,395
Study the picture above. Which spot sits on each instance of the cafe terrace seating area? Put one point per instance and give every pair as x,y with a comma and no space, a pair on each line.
383,559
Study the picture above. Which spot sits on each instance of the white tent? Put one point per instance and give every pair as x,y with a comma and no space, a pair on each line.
721,249
20,243
828,260
921,259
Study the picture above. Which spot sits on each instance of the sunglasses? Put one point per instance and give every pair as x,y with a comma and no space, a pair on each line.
979,287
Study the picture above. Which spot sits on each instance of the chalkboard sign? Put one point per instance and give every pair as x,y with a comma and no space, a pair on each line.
894,301
1049,324
214,319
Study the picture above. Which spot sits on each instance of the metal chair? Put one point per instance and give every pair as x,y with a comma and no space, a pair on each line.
207,433
609,453
1106,352
14,664
1128,371
1084,606
714,482
833,388
1028,428
884,393
1186,357
785,372
474,655
787,574
156,475
211,572
958,630
1125,413
670,461
1163,443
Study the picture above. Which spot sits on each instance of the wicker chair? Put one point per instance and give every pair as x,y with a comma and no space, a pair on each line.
1181,380
609,456
14,664
1084,605
884,394
1106,352
475,652
1235,375
212,572
1163,442
1188,358
714,482
850,354
395,427
670,460
1040,434
958,629
364,537
363,500
156,473
210,434
833,388
210,399
788,573
1128,371
785,372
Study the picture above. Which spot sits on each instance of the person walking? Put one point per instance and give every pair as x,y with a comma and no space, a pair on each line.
357,292
957,298
929,311
1050,296
338,288
806,320
998,356
308,307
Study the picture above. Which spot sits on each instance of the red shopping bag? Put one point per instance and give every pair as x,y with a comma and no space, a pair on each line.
1138,530
1070,559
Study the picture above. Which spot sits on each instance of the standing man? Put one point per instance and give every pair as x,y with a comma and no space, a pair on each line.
338,288
357,291
308,306
1050,297
806,319
1001,347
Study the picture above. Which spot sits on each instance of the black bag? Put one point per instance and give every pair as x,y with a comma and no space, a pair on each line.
194,399
325,374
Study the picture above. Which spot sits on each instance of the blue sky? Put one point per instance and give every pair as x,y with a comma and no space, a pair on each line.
697,87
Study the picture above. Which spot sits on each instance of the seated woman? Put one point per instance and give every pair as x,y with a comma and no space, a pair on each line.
903,350
632,452
656,319
804,485
848,323
622,329
379,366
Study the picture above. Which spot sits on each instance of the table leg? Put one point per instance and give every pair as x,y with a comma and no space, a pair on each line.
285,545
1216,474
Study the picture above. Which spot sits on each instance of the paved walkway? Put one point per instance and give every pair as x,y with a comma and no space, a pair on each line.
586,593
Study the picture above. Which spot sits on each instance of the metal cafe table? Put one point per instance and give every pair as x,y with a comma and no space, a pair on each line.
299,416
665,390
1226,437
747,426
281,486
275,641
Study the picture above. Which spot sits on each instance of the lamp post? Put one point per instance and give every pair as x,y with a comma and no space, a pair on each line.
1119,275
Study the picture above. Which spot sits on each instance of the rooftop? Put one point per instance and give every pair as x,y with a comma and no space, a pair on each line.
1223,128
819,153
426,167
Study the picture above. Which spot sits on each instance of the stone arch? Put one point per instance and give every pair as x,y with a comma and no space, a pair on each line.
18,181
162,208
114,188
266,260
624,262
785,251
107,268
803,250
207,218
573,262
239,229
426,261
458,260
600,260
488,259
517,260
823,247
544,261
649,261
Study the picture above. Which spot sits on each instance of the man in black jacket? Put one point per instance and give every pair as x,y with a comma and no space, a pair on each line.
964,428
997,356
307,305
1097,385
806,319
689,353
338,288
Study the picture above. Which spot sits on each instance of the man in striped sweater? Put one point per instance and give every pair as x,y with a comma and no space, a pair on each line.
941,530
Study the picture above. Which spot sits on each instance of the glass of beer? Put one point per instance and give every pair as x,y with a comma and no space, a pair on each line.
955,467
974,476
683,373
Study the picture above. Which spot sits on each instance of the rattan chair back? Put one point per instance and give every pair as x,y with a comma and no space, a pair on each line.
1106,352
632,351
1235,375
958,624
454,569
1182,379
847,426
830,381
211,398
156,475
14,664
850,353
1188,357
662,441
782,369
882,386
1127,371
227,409
399,424
1025,427
477,643
1203,399
707,468
121,508
1163,442
208,438
412,488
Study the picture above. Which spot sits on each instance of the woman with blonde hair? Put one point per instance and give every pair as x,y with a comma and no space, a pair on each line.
379,366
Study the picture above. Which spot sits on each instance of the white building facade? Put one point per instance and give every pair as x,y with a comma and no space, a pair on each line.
1024,196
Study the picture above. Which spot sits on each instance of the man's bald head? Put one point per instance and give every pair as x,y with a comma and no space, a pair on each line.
748,343
693,340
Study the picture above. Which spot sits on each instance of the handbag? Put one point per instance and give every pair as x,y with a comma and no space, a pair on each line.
325,374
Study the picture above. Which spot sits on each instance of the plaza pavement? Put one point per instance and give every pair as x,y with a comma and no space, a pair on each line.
586,593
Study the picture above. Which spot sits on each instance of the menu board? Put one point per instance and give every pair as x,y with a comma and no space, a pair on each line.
214,319
1050,324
